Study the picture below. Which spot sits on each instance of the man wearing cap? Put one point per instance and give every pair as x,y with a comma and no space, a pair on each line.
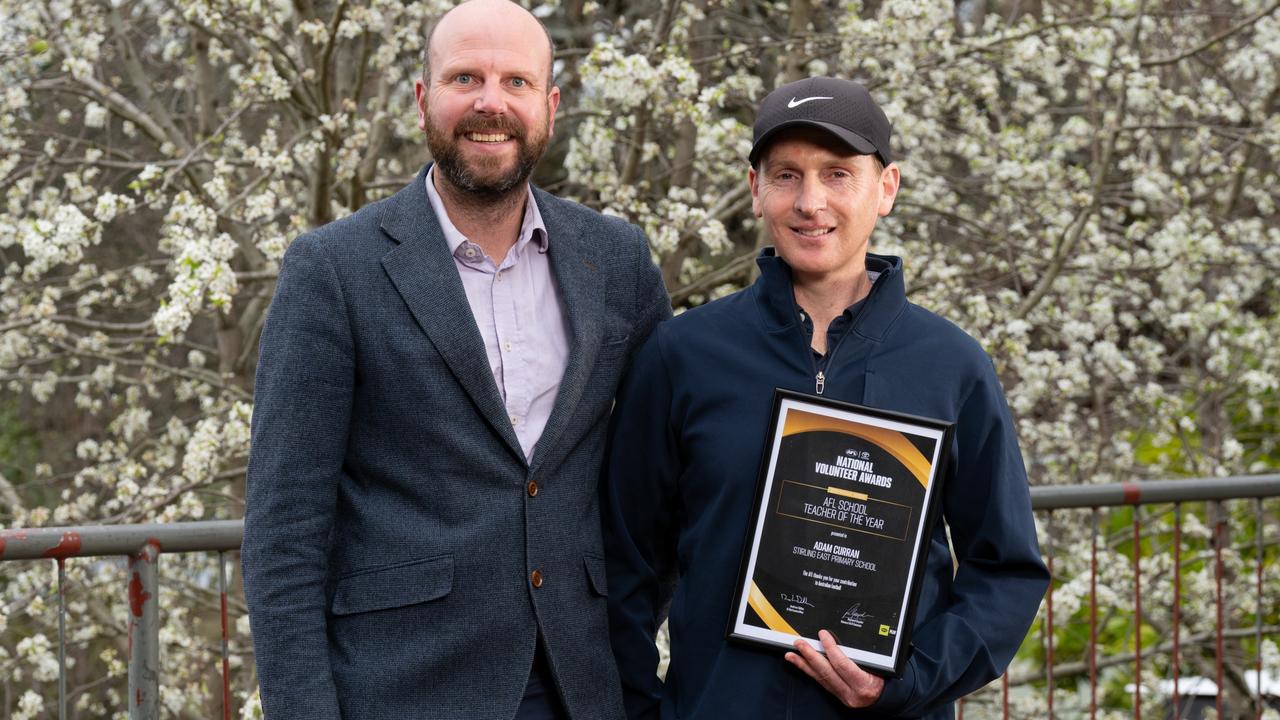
828,318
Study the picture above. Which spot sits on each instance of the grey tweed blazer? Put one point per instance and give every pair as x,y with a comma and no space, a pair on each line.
390,528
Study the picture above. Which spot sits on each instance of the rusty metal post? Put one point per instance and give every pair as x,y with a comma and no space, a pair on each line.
226,665
1259,530
1137,612
144,633
1176,660
62,639
1049,614
1093,621
1219,515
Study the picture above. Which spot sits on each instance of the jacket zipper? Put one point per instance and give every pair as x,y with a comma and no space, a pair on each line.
820,377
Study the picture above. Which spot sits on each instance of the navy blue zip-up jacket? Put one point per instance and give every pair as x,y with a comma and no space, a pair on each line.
684,449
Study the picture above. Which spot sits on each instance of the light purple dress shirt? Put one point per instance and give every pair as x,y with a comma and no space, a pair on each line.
521,317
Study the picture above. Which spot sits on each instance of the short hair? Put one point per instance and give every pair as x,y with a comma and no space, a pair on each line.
431,32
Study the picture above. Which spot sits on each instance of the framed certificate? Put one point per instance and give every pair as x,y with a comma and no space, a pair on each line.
845,503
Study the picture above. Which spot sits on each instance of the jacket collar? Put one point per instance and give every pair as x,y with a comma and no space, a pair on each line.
775,295
423,271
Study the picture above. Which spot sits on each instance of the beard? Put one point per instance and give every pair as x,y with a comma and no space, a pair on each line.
485,177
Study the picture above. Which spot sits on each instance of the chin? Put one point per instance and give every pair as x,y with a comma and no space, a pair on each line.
809,263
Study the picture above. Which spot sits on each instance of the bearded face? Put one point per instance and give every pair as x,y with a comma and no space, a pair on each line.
489,156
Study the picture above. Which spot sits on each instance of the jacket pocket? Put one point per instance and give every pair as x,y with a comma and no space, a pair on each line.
596,574
392,586
612,345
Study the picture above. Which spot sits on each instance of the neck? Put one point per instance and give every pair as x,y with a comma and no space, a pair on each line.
826,297
492,222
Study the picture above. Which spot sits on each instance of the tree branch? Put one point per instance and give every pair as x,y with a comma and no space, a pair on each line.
1213,40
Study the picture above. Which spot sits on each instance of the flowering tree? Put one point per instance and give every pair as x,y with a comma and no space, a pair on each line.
1089,188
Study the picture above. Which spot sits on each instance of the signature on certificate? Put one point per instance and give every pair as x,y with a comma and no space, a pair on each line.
855,616
795,599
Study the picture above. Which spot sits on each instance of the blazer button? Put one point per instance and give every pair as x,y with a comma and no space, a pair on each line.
533,488
536,578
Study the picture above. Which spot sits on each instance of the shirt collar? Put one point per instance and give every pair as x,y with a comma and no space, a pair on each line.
532,228
886,301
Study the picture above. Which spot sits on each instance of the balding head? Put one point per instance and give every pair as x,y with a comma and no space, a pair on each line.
492,15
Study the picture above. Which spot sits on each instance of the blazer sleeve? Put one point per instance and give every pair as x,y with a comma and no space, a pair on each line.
653,303
638,499
302,409
1000,577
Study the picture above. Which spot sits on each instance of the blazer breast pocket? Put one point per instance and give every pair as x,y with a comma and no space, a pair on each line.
613,346
393,586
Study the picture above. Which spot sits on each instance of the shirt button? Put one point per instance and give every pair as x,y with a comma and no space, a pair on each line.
470,252
507,345
536,578
533,488
515,420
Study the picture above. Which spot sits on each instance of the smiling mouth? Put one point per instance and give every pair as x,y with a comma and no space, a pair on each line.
488,137
813,232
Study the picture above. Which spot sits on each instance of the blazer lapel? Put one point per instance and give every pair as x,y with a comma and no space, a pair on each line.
576,265
425,275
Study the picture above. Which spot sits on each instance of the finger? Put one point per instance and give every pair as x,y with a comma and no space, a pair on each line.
846,669
818,668
799,662
860,688
799,659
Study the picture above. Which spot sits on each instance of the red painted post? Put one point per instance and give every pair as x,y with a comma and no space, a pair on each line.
1004,694
144,633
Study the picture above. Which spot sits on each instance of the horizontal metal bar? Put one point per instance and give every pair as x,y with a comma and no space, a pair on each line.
1054,497
97,540
216,535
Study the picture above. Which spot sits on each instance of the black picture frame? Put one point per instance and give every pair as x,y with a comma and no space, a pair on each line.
839,530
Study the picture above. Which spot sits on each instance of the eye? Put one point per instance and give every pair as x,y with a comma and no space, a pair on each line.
519,82
463,78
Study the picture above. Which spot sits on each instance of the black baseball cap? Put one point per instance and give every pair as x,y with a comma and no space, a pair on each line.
843,108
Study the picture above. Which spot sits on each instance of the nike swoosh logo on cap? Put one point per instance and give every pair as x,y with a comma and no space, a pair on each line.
796,103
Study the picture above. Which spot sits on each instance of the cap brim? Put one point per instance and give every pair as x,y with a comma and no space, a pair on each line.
855,141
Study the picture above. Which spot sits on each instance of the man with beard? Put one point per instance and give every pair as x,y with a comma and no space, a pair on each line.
422,535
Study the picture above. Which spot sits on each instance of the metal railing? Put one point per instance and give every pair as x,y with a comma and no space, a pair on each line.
1052,501
143,545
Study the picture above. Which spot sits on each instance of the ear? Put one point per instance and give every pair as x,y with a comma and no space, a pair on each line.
890,180
553,102
754,179
420,99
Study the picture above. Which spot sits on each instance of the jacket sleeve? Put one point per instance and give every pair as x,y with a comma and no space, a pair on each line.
1000,577
653,304
638,509
302,408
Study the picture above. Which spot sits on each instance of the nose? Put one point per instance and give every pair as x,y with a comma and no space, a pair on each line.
491,100
812,197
